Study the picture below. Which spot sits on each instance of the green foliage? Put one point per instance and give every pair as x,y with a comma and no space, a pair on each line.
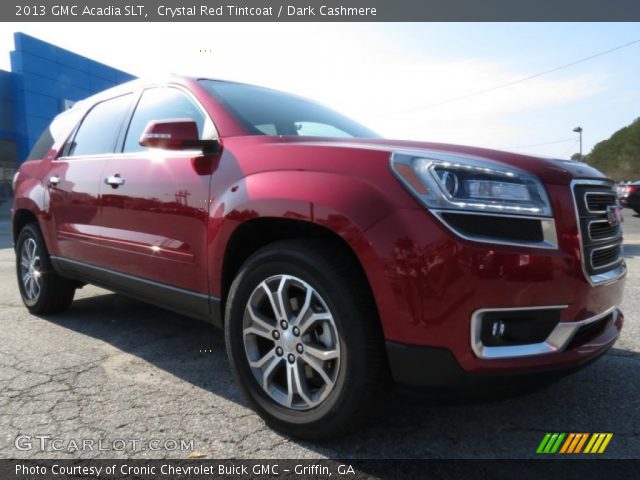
619,156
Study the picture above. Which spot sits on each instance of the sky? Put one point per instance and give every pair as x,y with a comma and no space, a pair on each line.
398,78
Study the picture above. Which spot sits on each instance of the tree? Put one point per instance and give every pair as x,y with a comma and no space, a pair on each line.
619,156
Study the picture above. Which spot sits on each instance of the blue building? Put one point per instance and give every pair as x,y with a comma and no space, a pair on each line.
44,80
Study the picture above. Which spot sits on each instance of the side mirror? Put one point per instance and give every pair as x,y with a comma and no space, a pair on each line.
175,134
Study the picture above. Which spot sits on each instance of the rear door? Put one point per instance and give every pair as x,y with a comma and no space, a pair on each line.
74,180
155,203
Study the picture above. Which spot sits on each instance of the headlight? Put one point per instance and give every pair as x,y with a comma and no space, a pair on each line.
13,182
450,182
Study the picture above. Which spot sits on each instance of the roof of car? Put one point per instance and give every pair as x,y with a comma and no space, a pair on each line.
138,83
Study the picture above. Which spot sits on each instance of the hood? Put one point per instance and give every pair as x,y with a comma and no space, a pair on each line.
546,169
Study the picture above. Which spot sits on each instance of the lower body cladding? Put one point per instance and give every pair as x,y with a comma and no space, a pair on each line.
458,313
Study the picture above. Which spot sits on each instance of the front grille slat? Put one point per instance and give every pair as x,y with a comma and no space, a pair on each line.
601,230
605,256
601,239
598,202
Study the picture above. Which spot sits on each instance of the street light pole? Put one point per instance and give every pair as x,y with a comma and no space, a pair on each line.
578,130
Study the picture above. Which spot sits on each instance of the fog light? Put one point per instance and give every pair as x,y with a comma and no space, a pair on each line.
497,329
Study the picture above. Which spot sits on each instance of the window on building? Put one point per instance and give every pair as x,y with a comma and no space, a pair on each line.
98,132
162,103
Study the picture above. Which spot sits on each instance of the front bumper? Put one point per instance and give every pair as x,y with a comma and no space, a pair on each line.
418,367
428,284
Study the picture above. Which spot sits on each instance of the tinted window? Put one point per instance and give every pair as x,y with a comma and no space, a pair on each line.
315,129
263,111
160,104
42,146
61,126
98,132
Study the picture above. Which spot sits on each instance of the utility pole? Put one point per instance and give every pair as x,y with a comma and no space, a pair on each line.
578,130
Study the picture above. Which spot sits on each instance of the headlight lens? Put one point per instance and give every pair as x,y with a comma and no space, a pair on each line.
446,181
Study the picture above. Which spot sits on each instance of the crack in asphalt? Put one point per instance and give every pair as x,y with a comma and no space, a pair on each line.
113,368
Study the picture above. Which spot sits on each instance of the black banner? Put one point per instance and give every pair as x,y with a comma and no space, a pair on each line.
315,469
318,10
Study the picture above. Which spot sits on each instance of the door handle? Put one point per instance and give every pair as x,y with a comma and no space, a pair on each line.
54,180
114,180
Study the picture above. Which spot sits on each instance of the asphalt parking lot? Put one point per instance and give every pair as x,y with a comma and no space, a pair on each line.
112,368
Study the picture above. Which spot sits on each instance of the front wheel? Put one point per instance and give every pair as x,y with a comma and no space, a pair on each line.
304,340
41,288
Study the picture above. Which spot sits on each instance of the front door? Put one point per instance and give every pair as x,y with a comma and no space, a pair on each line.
155,203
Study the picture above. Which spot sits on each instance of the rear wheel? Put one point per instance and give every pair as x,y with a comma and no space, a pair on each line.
304,340
41,288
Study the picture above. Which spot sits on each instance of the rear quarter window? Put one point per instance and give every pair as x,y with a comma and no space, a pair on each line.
55,134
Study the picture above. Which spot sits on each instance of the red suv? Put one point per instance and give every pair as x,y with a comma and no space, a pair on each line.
334,260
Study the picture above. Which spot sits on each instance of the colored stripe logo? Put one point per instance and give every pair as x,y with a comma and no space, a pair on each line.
574,443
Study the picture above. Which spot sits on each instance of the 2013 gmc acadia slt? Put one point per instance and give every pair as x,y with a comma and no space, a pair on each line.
333,259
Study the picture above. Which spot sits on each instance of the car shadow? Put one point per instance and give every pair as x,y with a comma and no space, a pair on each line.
600,398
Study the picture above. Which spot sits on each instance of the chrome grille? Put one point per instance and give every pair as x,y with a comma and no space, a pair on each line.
597,202
601,239
603,257
600,230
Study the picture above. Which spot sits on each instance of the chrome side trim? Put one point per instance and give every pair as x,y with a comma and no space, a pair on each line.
556,341
600,278
549,234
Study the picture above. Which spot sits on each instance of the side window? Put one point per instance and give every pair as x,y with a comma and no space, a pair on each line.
98,132
61,127
162,103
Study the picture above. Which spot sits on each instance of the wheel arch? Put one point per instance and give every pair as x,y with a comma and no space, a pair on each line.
254,224
30,202
21,218
253,234
276,205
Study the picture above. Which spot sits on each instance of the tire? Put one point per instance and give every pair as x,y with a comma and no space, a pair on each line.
41,288
346,332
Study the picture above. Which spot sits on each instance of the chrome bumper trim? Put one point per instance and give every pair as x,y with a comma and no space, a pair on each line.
556,341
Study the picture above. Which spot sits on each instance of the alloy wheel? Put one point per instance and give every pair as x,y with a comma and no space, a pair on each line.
291,342
30,270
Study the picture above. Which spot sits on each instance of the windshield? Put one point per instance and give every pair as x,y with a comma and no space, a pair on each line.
268,112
